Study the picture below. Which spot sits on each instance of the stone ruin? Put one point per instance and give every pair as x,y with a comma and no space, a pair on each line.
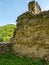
31,36
5,47
34,8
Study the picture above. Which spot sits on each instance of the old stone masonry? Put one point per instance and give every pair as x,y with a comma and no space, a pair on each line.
31,36
5,47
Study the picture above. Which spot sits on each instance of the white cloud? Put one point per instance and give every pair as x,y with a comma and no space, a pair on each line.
12,23
28,1
46,8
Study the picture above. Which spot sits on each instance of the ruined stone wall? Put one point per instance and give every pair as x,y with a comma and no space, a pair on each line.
34,7
31,37
5,47
37,8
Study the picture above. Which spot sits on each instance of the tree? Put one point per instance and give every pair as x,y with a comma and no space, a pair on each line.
1,39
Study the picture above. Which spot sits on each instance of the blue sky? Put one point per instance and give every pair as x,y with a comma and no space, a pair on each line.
11,9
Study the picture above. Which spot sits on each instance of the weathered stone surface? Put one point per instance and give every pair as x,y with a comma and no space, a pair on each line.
5,47
31,37
34,7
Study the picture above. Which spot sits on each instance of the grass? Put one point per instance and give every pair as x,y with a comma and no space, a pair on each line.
11,59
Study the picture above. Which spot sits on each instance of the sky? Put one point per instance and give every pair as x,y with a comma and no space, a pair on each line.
11,9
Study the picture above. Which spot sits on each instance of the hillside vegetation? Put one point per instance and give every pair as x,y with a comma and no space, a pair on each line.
11,59
6,32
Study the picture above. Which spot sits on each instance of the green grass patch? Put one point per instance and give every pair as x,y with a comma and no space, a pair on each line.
11,59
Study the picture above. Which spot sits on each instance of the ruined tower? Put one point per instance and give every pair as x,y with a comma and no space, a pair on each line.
34,7
31,35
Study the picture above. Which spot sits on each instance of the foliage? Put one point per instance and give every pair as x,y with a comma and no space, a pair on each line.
6,32
1,39
11,59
